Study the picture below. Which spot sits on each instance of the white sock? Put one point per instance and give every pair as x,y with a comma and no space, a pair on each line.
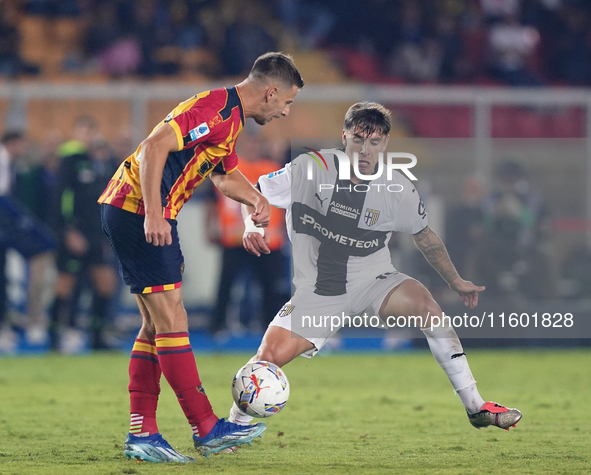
449,354
236,415
239,417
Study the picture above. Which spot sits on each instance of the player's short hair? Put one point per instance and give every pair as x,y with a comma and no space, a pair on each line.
367,118
277,66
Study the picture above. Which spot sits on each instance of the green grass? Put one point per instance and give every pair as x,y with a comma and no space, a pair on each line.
347,414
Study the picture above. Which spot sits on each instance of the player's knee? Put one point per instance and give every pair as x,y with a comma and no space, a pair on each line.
428,309
148,331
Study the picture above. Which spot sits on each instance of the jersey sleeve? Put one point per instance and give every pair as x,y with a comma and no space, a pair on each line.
191,126
227,165
276,187
411,216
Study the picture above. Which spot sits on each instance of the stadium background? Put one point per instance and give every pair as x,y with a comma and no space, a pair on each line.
471,84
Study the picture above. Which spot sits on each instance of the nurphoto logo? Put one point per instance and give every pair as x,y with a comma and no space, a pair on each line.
344,168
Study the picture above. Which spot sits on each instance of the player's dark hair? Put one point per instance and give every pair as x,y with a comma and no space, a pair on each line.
11,135
277,66
367,118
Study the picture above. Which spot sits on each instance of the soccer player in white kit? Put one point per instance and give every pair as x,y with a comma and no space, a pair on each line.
339,233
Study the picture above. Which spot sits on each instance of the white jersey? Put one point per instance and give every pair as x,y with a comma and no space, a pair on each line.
340,231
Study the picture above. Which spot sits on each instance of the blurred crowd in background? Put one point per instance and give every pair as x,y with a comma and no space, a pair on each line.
49,215
515,42
499,236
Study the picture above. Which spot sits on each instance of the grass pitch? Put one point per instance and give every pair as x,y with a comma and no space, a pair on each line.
347,414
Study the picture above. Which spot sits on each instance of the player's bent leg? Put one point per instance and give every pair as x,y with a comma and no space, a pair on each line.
176,359
166,310
411,298
279,346
177,362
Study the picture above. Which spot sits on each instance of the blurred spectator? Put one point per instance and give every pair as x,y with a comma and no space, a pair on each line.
576,271
463,227
277,150
511,46
427,40
152,30
418,62
511,260
450,42
7,336
83,251
571,48
111,43
103,31
225,226
53,8
310,21
418,56
246,39
495,10
20,230
35,189
123,146
11,63
187,32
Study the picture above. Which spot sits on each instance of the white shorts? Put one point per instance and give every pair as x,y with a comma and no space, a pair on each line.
306,307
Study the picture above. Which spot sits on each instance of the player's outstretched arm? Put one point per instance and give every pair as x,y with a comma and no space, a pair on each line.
235,186
432,247
153,155
255,240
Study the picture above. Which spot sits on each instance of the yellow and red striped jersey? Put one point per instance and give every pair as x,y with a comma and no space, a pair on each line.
207,126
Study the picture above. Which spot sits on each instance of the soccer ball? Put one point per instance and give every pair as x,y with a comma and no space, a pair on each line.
260,389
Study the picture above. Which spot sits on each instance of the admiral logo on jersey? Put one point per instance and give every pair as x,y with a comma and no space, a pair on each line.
343,210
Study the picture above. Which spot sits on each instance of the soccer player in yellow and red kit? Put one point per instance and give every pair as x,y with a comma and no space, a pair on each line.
139,209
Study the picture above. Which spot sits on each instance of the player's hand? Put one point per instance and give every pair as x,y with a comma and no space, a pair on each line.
76,243
256,244
157,230
467,291
262,213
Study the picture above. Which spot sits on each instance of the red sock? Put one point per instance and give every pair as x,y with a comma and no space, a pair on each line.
144,388
178,365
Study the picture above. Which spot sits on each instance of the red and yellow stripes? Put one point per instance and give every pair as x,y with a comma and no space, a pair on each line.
145,350
161,288
171,343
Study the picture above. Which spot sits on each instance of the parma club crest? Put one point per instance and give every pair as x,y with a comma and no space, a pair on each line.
286,310
371,216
